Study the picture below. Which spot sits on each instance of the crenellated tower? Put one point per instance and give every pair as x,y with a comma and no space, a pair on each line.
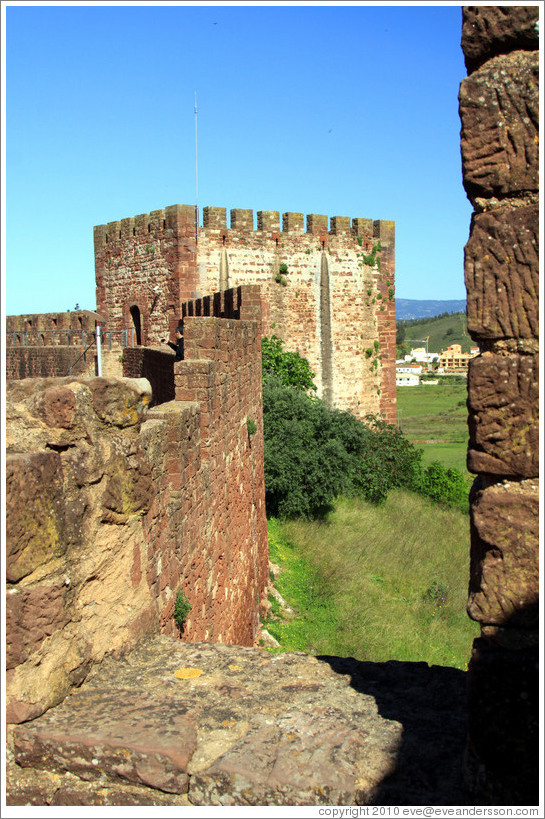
327,287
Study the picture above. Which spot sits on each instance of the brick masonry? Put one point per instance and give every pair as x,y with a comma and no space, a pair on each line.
499,142
55,345
334,302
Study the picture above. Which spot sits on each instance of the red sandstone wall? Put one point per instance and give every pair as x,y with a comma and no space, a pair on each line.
361,297
60,344
50,329
221,528
157,366
43,362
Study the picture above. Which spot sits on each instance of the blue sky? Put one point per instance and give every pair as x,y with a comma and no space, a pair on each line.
342,110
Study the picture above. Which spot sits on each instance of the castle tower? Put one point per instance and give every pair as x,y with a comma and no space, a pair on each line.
327,287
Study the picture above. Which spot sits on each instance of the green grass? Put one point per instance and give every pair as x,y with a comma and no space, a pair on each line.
376,582
314,628
436,413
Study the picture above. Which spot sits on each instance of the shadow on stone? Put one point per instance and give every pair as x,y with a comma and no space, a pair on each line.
430,703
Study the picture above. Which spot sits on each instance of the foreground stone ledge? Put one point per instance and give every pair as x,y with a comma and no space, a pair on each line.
504,578
228,725
503,404
206,724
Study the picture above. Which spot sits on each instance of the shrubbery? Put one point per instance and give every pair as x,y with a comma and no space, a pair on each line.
447,486
292,369
314,454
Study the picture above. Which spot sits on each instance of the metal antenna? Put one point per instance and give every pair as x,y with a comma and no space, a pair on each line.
196,178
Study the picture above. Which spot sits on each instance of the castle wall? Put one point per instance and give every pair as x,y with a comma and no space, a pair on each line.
44,362
499,140
49,345
113,506
335,305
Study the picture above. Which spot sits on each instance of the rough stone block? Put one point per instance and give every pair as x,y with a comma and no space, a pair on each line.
59,407
491,30
503,404
504,573
32,614
34,523
499,109
123,747
268,220
502,274
120,402
215,218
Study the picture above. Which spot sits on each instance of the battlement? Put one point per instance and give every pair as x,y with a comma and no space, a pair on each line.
242,220
175,218
182,219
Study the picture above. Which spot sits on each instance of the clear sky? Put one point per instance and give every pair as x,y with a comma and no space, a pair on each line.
345,110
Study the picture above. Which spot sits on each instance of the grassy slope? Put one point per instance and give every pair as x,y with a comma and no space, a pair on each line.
376,583
436,413
443,332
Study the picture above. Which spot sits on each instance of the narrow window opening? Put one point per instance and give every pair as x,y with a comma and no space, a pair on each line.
149,227
135,315
134,231
164,224
120,234
107,240
223,238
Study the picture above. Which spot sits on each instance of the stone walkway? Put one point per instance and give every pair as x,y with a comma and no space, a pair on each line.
200,724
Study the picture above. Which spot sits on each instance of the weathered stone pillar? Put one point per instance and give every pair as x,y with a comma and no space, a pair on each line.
499,141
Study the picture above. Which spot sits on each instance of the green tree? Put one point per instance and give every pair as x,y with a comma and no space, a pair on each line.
291,368
314,454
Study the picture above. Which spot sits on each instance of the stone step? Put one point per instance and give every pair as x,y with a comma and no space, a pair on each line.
202,724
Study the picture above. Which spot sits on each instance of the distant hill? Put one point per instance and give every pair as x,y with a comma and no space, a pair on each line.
442,330
426,308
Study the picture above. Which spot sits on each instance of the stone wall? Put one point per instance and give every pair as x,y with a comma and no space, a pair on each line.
157,366
499,141
42,345
335,304
44,362
113,507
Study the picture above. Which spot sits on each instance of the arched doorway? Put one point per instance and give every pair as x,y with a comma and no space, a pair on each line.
136,320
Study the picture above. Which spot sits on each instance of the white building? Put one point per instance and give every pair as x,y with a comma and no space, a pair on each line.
407,379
